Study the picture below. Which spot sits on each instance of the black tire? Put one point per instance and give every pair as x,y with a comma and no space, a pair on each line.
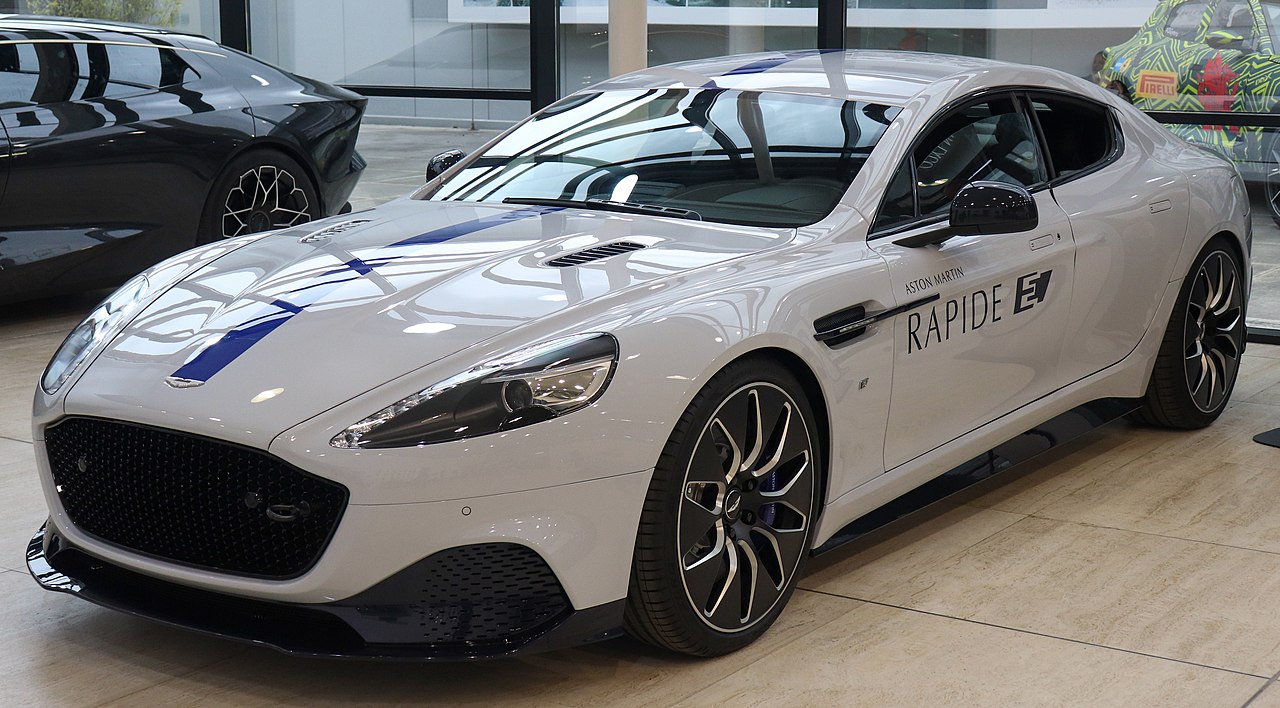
259,190
1199,357
1271,174
713,591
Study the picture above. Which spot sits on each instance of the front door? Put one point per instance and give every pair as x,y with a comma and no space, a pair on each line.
987,330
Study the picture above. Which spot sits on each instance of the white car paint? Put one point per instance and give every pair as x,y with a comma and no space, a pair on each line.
700,296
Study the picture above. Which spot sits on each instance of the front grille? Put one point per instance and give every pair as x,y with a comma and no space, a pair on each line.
191,499
489,592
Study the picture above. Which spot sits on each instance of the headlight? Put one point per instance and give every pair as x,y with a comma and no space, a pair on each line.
524,387
102,323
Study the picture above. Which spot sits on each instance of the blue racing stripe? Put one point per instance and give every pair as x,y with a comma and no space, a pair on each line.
238,340
760,66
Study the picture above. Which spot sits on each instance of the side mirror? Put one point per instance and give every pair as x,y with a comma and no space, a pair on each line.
1224,39
437,165
982,207
993,208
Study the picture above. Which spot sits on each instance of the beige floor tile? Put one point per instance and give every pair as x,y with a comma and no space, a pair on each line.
1257,373
22,506
876,566
1179,599
1057,473
618,673
1219,502
882,656
60,651
1269,351
1269,698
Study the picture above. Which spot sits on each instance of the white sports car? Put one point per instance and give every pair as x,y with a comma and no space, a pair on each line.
635,360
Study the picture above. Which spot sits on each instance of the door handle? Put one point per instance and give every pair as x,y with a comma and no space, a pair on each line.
1045,241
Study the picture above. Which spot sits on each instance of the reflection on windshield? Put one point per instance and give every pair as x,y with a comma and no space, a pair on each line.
743,157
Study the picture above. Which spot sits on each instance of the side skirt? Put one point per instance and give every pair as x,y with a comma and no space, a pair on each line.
1042,438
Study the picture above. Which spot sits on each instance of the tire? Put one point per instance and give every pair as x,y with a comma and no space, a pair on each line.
258,191
729,515
1199,357
1271,175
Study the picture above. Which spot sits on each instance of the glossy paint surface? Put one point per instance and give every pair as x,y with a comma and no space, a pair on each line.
292,337
103,181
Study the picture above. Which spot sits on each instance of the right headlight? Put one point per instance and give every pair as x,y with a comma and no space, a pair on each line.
527,386
105,320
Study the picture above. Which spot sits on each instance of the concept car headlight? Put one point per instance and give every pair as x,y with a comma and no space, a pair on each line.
524,387
100,324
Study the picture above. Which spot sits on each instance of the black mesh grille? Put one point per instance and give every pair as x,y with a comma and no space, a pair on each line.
486,593
191,499
595,254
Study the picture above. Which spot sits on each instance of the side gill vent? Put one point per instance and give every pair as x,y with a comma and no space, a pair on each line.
595,253
331,231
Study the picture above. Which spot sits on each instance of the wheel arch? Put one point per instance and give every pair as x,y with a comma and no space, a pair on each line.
268,144
813,391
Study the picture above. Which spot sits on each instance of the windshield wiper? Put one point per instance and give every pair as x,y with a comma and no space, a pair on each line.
608,205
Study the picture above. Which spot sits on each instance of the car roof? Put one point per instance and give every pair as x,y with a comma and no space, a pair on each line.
890,77
28,23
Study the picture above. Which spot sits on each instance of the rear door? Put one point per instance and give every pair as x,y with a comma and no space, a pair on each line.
985,328
1127,214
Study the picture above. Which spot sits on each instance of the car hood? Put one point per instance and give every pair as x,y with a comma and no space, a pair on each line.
299,321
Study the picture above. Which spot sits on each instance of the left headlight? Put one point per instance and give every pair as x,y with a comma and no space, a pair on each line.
100,324
527,386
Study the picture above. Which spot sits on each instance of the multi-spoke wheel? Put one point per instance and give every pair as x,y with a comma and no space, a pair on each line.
1200,355
259,191
729,515
1271,174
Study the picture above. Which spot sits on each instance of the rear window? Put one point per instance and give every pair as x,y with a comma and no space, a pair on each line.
37,73
743,157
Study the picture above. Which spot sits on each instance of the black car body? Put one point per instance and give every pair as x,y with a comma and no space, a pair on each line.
121,145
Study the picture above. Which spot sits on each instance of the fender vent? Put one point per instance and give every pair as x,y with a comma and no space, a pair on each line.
595,253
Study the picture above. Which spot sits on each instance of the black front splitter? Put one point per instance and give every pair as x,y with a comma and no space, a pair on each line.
349,629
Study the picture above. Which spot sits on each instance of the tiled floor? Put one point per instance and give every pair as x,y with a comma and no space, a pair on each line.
1135,567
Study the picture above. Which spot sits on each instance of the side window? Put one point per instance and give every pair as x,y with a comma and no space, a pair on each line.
1184,20
989,140
1233,16
1078,135
19,72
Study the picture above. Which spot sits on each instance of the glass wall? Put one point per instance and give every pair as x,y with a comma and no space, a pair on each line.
198,16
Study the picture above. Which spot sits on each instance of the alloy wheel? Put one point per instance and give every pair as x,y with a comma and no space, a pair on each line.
264,198
745,507
1214,333
1271,182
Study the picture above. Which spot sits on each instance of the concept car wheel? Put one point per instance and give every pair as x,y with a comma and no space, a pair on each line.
1200,354
1271,177
729,514
259,191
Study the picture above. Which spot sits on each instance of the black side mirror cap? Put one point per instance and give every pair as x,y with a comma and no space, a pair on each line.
1224,39
437,165
982,207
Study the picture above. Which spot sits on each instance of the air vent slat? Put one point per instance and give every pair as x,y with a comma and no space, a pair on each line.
595,253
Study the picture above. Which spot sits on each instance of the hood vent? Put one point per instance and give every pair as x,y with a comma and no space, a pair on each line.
331,231
595,253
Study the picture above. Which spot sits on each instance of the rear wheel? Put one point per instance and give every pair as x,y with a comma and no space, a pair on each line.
1199,357
1271,175
729,515
260,190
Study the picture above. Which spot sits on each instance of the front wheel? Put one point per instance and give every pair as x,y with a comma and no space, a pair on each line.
1199,357
729,514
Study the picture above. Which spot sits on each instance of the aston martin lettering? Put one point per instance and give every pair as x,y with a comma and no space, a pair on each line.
973,311
946,276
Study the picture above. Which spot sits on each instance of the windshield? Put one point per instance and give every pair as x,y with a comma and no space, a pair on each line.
740,157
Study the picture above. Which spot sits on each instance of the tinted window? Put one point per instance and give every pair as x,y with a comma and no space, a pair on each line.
991,140
1078,135
766,159
1184,20
52,72
19,72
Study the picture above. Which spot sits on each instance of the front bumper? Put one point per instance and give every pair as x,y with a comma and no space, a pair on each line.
410,615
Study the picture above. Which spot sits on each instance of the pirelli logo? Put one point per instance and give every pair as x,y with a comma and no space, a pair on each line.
1157,84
